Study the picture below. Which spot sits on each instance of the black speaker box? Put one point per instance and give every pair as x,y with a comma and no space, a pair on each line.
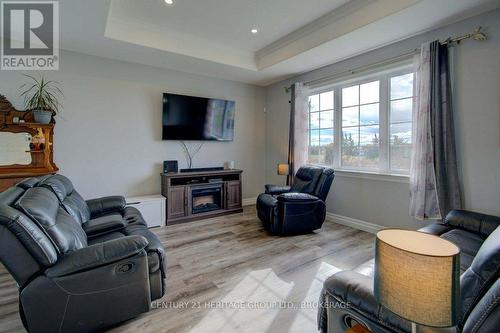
170,166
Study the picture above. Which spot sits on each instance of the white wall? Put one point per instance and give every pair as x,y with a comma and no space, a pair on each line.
476,98
108,138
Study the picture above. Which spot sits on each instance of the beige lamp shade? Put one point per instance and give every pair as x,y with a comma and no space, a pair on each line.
417,276
283,169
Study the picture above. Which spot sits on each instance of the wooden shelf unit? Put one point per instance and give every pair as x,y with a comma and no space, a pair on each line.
178,188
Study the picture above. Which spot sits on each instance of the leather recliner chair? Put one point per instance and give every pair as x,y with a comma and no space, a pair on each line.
297,209
478,237
80,265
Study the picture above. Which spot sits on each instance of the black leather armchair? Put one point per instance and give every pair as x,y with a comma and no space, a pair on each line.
348,299
80,267
297,209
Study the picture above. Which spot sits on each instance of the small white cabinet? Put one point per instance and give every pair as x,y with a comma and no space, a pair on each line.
152,208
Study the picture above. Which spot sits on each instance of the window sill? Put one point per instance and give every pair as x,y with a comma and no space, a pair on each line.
360,174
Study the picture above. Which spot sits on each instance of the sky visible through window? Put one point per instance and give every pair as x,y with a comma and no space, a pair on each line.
359,111
401,100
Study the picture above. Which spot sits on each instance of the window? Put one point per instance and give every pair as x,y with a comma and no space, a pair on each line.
363,124
321,128
401,101
360,125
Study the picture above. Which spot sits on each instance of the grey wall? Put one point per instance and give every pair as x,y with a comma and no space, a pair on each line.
476,98
108,140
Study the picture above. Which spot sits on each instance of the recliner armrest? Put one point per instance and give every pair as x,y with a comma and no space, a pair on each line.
104,224
472,221
435,229
356,292
354,289
97,255
296,197
276,189
105,205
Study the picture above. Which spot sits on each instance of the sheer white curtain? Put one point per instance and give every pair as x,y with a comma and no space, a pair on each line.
423,195
301,125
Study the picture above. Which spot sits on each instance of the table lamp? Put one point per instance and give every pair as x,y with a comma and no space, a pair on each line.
283,169
417,277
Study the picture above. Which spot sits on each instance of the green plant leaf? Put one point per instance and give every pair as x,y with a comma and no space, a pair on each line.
41,94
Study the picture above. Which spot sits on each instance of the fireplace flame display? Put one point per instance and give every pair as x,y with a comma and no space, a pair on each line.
206,199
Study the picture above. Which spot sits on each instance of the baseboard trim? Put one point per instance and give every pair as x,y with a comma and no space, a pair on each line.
249,201
353,223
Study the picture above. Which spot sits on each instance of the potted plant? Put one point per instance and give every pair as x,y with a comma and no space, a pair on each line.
41,98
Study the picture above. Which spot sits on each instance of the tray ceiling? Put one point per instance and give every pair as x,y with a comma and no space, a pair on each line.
212,37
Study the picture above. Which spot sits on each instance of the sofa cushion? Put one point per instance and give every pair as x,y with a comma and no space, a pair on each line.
42,206
104,224
105,237
435,229
483,272
77,207
468,243
296,197
479,223
155,250
70,199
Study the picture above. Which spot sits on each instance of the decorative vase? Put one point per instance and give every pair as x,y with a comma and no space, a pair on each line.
42,116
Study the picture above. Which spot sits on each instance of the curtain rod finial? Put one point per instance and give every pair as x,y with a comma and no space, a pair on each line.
478,35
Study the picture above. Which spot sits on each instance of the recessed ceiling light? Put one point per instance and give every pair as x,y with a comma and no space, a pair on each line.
169,2
254,31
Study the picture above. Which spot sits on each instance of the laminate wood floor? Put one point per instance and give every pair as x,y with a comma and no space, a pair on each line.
227,274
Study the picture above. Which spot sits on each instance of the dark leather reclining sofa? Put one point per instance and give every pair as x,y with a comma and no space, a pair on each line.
478,237
80,265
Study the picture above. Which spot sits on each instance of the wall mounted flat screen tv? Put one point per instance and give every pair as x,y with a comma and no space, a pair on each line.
197,118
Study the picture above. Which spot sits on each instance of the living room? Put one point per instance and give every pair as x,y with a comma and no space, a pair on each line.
297,212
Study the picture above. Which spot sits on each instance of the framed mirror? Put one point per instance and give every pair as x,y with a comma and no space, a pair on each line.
15,148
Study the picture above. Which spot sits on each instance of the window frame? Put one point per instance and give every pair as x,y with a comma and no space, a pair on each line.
382,75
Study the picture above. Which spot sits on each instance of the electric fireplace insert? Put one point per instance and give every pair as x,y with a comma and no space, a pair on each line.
206,198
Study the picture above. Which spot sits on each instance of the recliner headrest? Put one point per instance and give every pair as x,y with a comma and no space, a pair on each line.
10,195
308,173
42,206
59,184
30,182
306,178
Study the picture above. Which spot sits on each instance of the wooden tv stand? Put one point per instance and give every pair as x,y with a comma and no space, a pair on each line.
198,195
